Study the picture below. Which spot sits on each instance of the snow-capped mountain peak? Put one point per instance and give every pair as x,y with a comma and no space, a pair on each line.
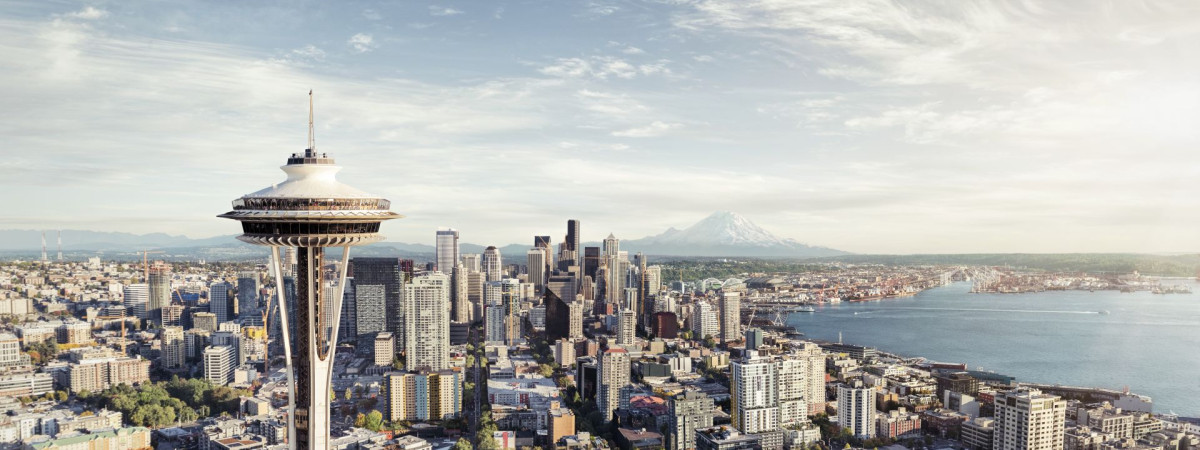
724,233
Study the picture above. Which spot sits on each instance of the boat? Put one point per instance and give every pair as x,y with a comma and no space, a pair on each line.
804,309
1103,312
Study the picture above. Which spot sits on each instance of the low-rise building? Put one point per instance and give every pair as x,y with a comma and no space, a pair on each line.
897,422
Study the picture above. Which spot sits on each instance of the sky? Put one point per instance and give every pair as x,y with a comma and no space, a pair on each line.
871,126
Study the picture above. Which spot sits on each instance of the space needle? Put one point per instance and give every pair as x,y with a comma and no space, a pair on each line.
311,211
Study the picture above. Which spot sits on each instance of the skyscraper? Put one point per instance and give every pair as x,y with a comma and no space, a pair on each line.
536,262
614,375
612,245
573,236
754,393
173,347
310,210
460,304
591,261
731,318
447,250
856,411
427,334
690,411
704,321
626,325
219,302
247,294
472,261
491,263
159,281
218,362
377,284
1027,419
137,299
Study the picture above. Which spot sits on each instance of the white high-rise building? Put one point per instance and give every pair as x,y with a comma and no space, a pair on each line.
612,246
1027,419
447,250
614,375
809,377
626,323
218,300
535,261
754,393
856,411
731,317
704,321
173,348
491,264
653,280
427,312
218,364
472,262
137,299
460,303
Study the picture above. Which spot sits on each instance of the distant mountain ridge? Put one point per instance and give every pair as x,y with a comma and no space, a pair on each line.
718,235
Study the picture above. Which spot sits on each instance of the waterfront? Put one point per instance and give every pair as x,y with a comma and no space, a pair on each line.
1146,341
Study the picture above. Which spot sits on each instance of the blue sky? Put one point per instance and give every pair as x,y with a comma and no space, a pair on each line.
869,126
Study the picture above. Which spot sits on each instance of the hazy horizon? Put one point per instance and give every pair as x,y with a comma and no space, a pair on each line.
877,127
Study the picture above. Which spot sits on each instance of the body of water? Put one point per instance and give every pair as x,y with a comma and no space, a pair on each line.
1148,342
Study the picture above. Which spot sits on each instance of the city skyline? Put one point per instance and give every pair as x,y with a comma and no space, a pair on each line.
871,128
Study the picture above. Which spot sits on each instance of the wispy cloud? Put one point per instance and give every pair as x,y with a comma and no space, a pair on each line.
604,67
89,13
362,43
654,129
435,10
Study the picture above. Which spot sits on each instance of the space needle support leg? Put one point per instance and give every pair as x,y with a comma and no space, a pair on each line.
277,265
337,309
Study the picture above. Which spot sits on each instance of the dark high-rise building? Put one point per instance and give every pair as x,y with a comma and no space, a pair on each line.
310,211
541,242
573,237
406,268
377,284
665,325
959,382
591,261
558,317
587,374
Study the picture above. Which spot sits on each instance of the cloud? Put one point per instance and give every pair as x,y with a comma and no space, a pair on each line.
631,50
362,43
89,13
435,10
703,58
371,14
656,128
604,67
309,51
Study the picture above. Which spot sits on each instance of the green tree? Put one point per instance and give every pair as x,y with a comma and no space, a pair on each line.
374,421
187,415
360,420
61,396
349,394
462,444
545,370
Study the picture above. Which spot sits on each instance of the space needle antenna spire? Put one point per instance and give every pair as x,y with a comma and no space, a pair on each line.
312,139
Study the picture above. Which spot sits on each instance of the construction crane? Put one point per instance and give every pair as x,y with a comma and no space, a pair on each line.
123,320
146,262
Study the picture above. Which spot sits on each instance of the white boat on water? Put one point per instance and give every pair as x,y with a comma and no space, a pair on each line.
832,300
